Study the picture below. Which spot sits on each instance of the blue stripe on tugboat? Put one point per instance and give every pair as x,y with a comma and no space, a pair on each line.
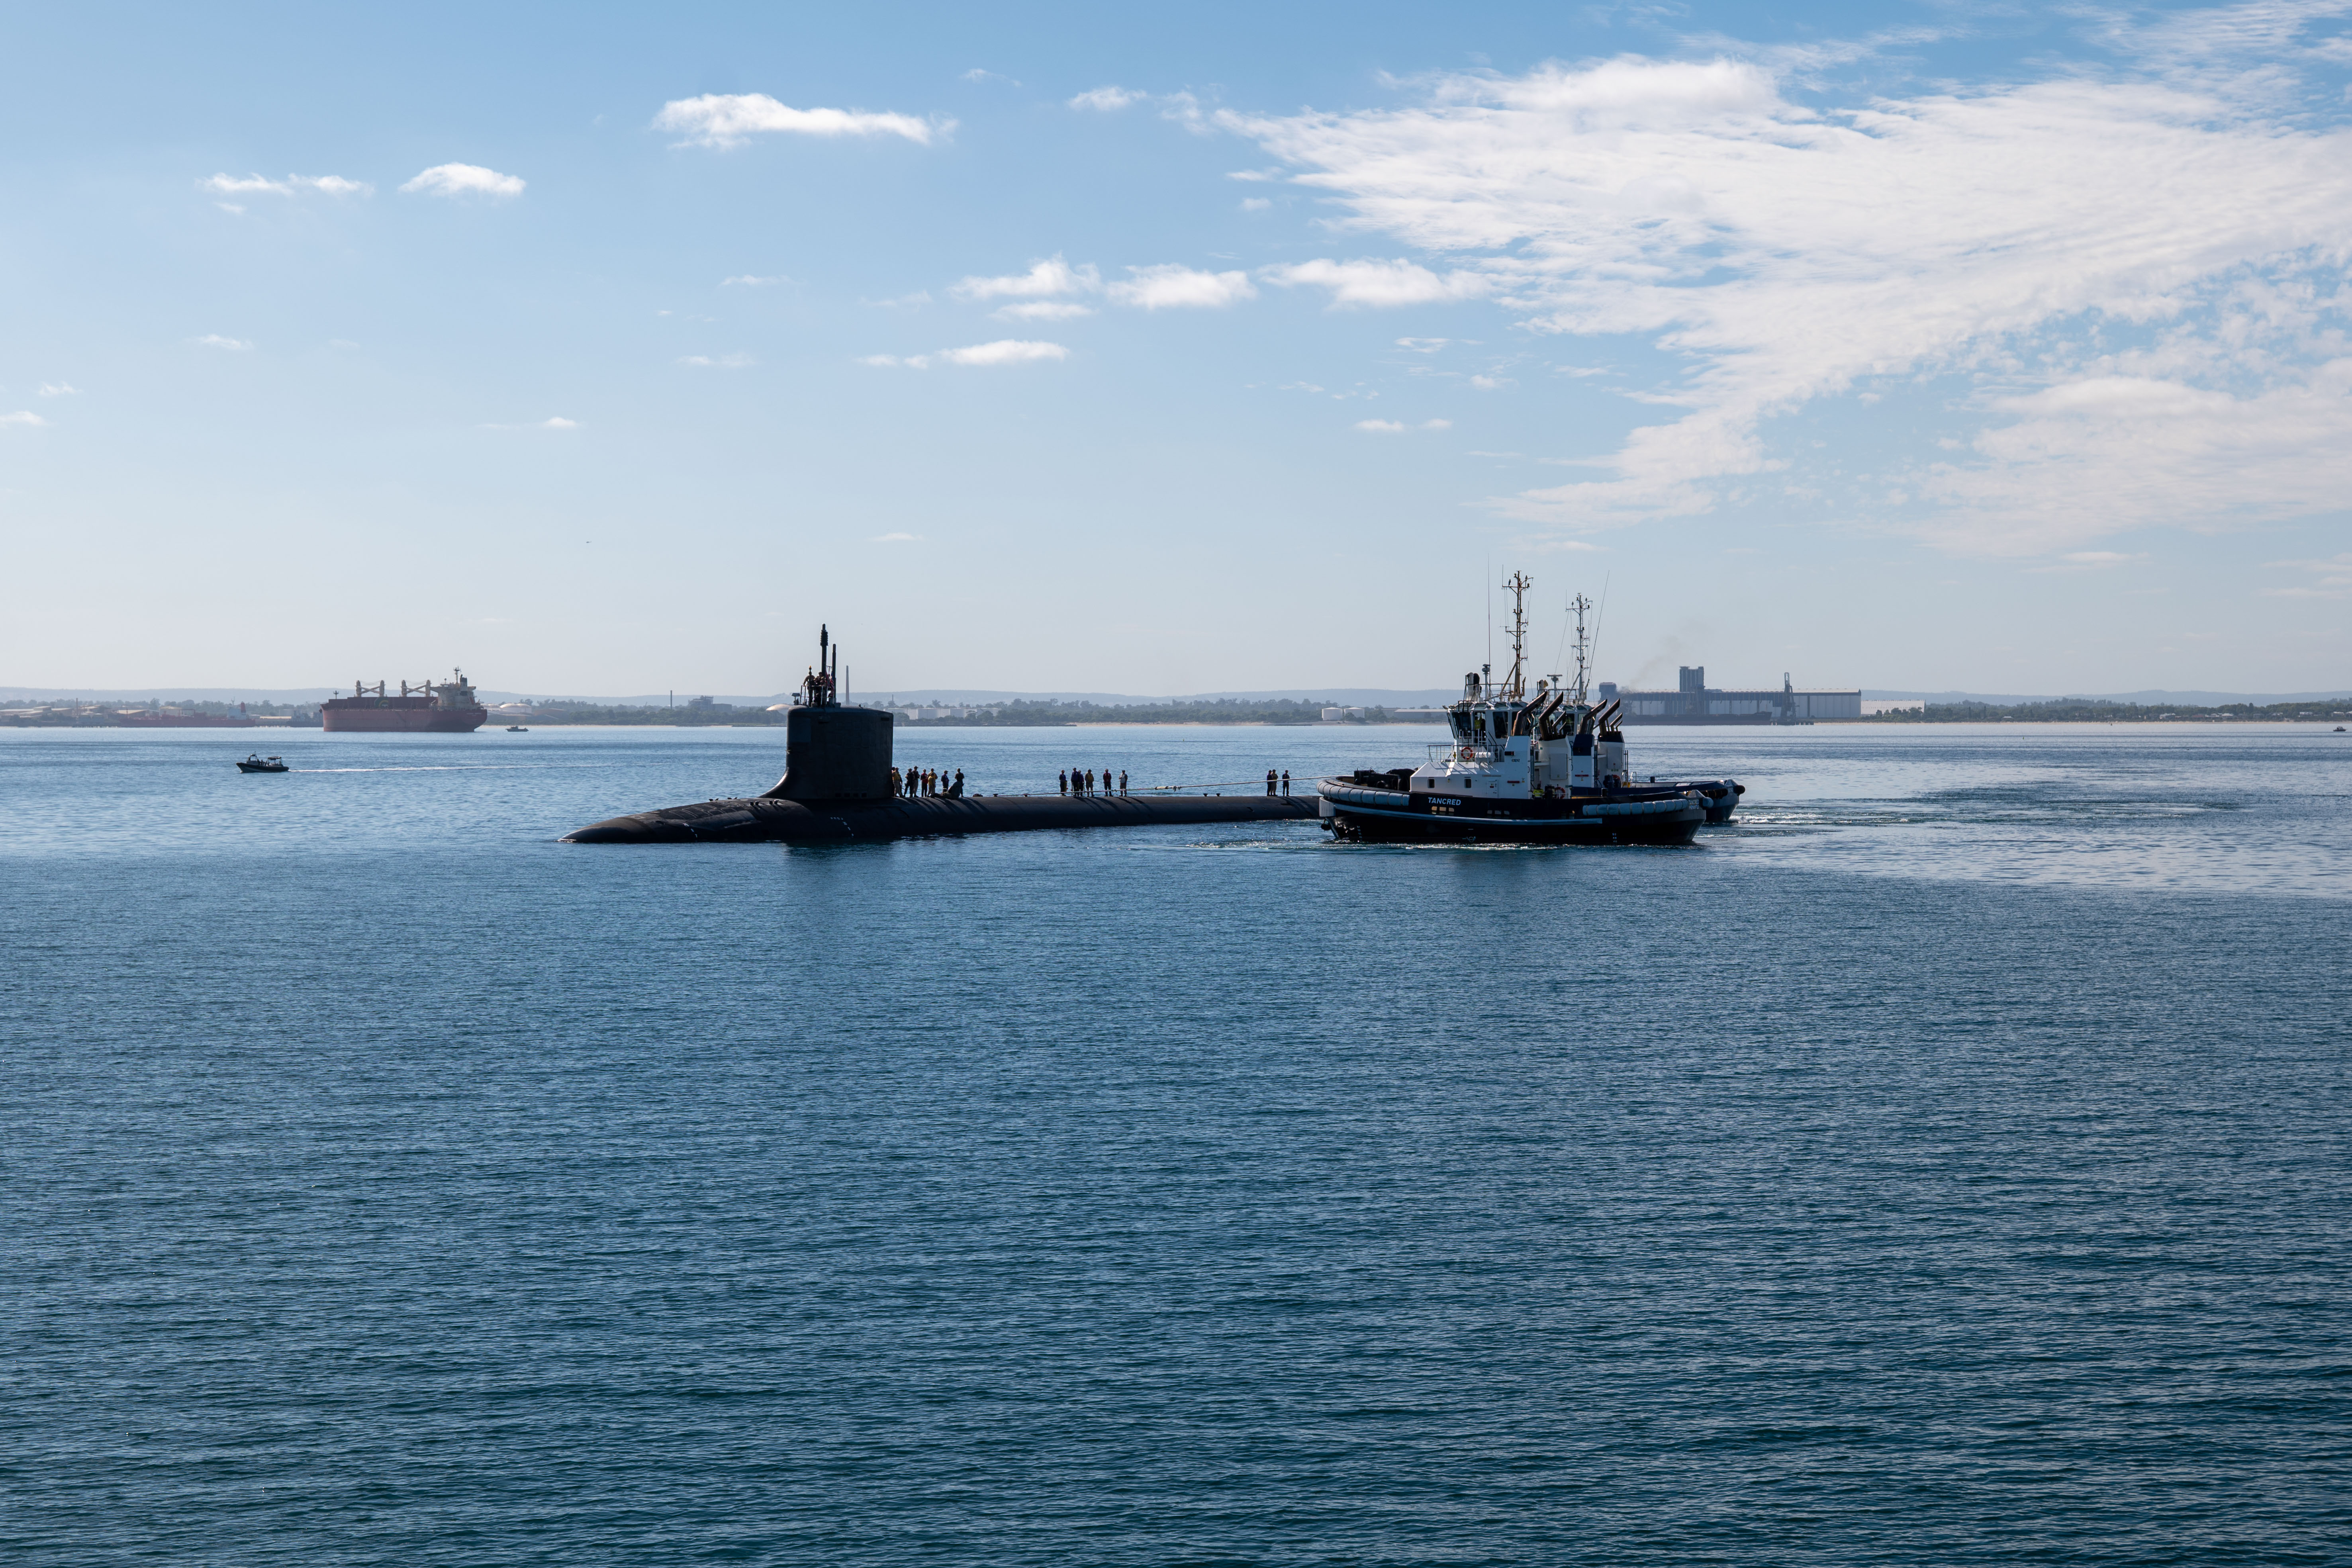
1543,769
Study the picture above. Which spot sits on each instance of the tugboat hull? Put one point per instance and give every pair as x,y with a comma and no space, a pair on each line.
1392,816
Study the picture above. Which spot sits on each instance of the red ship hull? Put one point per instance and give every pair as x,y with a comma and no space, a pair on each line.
399,715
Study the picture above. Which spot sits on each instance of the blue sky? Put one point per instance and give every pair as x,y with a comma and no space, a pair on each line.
1223,347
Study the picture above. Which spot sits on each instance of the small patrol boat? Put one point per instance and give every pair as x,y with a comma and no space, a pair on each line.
1545,767
518,729
257,763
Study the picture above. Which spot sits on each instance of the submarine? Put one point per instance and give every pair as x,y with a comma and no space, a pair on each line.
840,784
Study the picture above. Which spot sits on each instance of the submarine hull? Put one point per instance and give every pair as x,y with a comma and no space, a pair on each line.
770,820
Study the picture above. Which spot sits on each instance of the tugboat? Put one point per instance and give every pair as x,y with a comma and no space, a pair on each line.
1546,768
257,763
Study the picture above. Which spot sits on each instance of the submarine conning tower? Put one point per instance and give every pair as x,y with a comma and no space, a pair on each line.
833,752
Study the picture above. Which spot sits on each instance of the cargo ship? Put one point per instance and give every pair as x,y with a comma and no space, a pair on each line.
446,707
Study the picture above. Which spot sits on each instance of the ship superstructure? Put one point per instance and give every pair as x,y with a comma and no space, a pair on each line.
442,707
1542,766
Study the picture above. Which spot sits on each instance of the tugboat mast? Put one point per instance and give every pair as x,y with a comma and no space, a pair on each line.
1514,690
1583,653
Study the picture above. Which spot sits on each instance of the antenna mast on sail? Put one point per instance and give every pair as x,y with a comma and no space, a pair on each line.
1516,689
1583,652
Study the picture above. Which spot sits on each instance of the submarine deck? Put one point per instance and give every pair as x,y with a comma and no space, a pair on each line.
762,820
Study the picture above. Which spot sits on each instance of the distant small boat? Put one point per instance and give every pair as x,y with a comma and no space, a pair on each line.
257,763
518,729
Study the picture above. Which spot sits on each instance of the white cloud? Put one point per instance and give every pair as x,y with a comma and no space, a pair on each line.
722,362
1044,279
1042,310
2331,579
1173,285
1254,204
59,389
748,282
1005,350
214,341
1185,110
1382,426
1437,423
727,119
977,74
463,180
21,417
1781,250
291,186
1381,283
557,422
1106,99
2090,457
1424,345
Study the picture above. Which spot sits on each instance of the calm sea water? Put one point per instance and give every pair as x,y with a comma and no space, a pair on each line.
1945,1163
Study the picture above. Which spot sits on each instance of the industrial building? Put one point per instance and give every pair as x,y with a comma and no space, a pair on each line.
1695,703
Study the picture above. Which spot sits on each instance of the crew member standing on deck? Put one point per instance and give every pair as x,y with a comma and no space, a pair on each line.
1122,780
1286,782
1269,781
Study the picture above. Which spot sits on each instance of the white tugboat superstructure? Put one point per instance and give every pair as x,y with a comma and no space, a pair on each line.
1541,767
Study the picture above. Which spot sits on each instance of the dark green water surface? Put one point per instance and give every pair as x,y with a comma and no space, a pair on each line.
1945,1164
